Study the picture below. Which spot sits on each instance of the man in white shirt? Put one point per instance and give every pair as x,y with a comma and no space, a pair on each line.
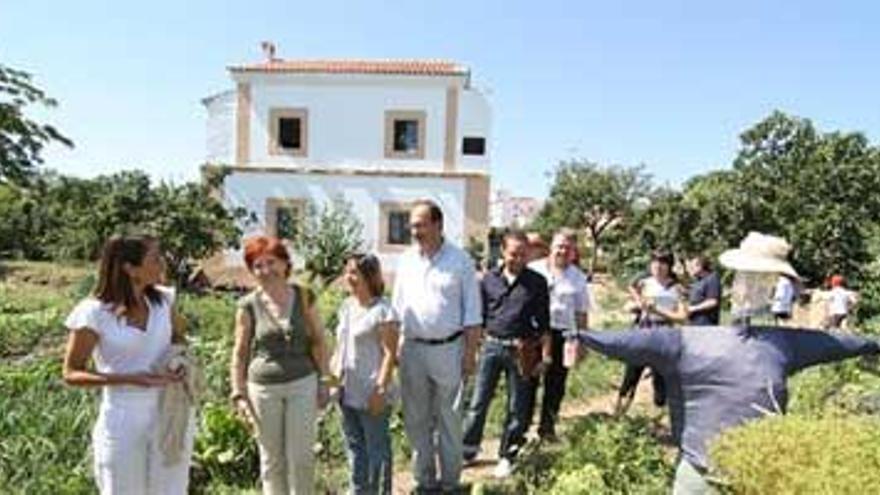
840,302
437,297
783,299
569,307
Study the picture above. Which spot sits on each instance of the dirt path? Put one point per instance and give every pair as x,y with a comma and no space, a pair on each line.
481,472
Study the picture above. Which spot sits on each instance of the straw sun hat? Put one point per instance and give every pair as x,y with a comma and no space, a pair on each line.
760,253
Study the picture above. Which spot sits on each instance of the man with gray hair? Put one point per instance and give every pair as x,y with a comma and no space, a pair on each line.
569,308
437,297
719,377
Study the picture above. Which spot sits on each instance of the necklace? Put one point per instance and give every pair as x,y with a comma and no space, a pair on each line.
279,315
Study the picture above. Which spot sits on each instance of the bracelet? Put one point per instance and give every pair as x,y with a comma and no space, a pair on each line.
237,396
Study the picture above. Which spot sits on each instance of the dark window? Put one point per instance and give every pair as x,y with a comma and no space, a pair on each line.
286,222
474,146
290,133
398,227
406,136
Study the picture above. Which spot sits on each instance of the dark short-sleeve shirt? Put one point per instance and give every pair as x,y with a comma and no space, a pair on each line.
518,309
706,287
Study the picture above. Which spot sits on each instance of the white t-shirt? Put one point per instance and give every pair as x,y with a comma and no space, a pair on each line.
122,348
569,294
839,301
662,296
359,349
783,296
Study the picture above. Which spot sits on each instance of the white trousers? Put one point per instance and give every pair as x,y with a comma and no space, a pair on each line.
287,413
125,439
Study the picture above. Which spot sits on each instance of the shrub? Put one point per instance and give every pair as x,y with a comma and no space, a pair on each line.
600,455
801,455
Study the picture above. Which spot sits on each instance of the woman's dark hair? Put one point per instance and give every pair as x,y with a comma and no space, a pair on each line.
663,256
114,285
370,270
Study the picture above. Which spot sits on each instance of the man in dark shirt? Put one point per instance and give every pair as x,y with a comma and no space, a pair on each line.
516,315
704,301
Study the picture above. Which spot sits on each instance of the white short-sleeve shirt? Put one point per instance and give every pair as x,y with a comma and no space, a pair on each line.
783,296
569,294
359,348
122,348
839,301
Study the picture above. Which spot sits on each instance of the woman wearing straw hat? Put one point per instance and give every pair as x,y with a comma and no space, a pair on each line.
720,377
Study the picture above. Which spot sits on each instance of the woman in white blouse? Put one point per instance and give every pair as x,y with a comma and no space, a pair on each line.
367,336
127,325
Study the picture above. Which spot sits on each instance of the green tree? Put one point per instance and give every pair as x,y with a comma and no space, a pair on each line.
593,198
22,139
328,234
817,189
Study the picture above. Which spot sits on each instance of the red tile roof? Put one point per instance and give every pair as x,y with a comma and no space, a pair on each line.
404,67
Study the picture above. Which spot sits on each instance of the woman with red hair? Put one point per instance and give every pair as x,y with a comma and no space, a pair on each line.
278,355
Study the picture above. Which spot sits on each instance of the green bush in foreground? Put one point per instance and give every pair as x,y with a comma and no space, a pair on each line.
600,455
801,455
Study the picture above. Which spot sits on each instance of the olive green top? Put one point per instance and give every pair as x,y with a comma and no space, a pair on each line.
278,354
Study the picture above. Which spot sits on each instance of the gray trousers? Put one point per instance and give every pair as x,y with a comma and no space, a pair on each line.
689,481
431,386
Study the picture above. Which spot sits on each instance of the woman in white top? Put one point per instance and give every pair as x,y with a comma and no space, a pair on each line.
660,300
127,325
367,336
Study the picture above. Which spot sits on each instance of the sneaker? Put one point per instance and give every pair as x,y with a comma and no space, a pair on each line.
503,469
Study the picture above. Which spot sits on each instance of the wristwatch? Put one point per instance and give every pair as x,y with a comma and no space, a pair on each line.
380,389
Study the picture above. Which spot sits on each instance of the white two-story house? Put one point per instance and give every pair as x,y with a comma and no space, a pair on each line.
379,134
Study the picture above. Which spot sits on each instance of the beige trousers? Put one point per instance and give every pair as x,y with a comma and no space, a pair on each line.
286,413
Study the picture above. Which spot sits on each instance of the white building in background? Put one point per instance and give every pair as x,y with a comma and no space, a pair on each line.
379,134
507,210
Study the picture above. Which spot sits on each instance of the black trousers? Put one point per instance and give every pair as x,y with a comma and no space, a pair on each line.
631,377
554,387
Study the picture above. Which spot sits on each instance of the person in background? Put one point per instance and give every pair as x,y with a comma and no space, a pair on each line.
128,325
516,323
784,296
437,296
278,361
840,302
660,303
569,311
537,247
367,336
723,376
704,298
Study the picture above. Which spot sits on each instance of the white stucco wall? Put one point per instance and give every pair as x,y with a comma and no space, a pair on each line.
251,189
220,131
346,122
474,120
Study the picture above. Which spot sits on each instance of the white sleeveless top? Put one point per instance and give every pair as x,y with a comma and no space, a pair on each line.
122,348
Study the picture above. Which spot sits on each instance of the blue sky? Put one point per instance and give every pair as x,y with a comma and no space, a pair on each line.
668,84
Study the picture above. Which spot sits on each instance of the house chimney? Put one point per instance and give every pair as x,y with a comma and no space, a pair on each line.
268,50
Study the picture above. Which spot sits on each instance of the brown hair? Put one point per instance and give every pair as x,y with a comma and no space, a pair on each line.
433,208
370,270
114,285
517,235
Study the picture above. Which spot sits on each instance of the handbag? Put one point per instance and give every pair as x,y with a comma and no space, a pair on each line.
528,355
